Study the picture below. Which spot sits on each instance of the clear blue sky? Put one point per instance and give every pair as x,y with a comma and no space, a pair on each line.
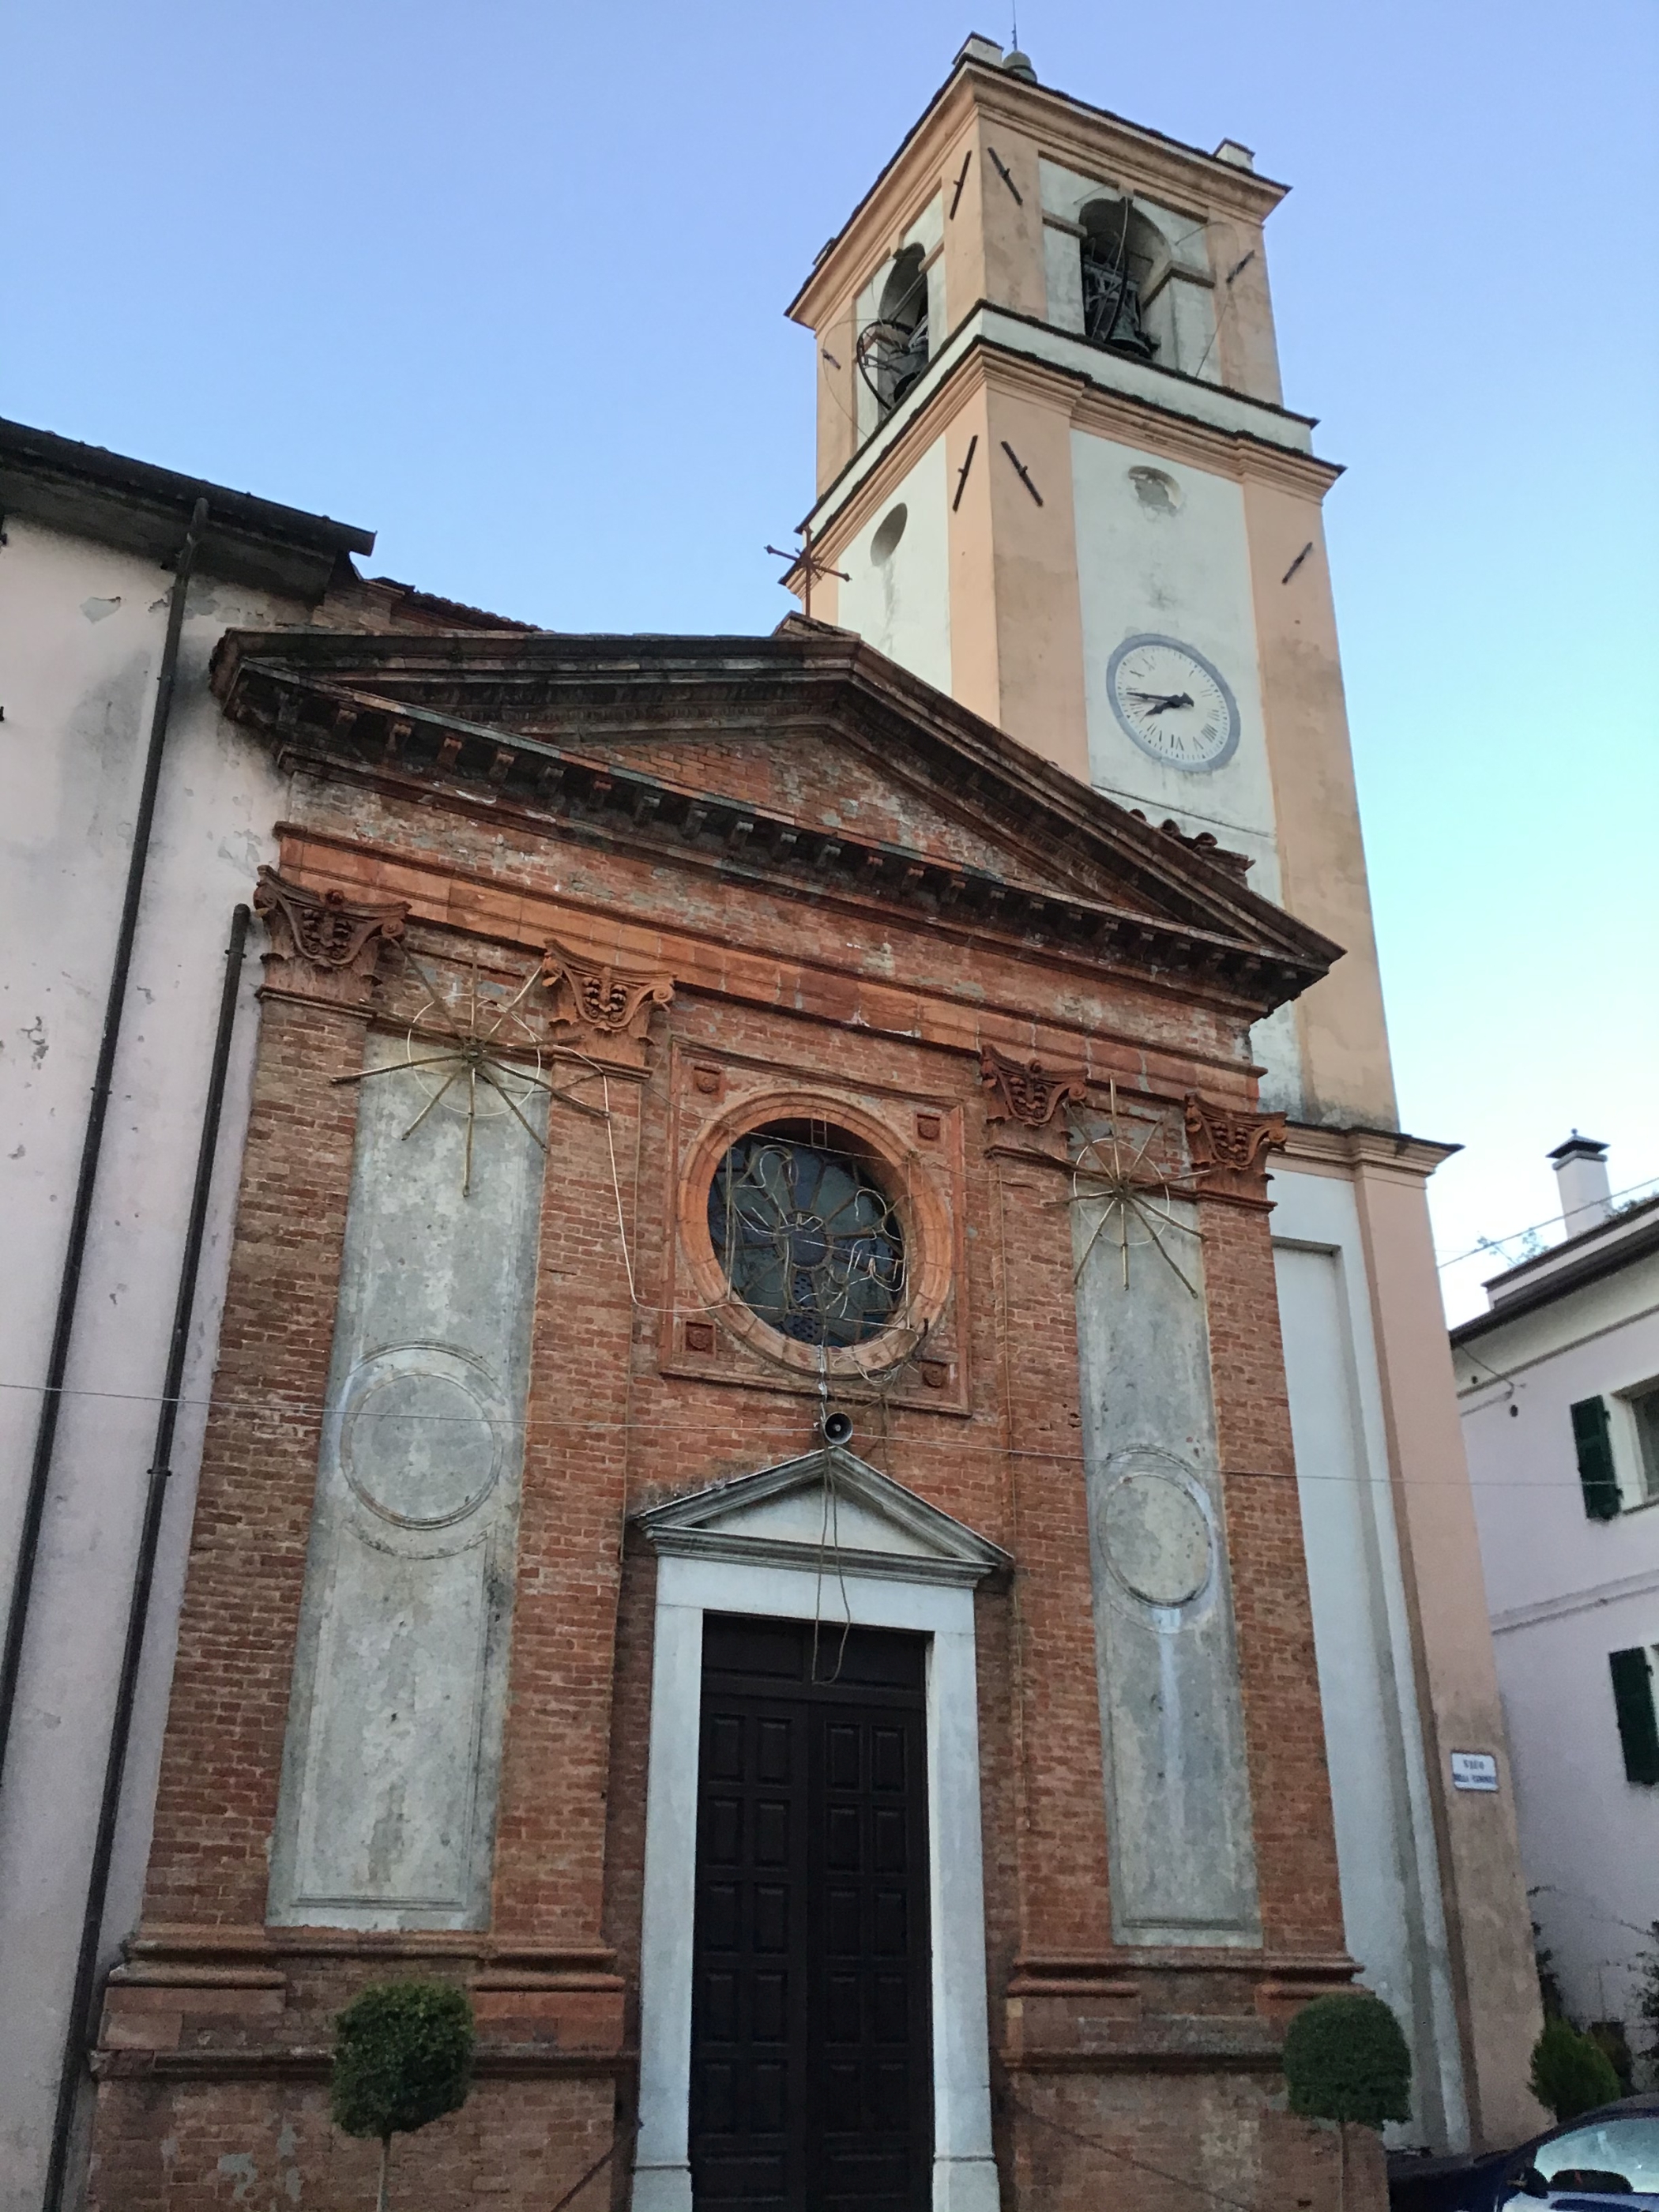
504,283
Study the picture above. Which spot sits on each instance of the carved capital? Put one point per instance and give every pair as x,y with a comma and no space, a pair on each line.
1227,1147
1025,1091
323,944
602,1011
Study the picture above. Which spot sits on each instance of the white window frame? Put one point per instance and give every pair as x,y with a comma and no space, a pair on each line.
1638,1477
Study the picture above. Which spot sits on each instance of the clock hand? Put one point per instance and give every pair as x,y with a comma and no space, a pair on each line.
1159,701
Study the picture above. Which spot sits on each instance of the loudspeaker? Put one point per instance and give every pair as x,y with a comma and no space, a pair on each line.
836,1428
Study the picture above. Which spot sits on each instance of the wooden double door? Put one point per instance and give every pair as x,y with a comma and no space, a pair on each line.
812,2081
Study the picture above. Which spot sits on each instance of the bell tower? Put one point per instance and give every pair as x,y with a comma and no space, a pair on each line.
1057,474
1056,470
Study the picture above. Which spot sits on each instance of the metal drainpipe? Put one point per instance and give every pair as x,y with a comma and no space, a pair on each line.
69,1287
80,2033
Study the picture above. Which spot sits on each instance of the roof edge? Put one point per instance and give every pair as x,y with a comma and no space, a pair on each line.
1591,1267
90,491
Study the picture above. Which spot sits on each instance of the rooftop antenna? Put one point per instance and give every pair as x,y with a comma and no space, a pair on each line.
1016,63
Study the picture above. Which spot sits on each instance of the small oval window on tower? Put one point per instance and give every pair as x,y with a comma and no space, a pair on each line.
888,532
1158,494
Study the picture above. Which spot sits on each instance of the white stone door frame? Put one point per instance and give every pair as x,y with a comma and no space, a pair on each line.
904,1589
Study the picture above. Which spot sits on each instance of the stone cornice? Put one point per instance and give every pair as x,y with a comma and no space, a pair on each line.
1204,929
314,2062
503,908
1114,1966
1388,1152
1088,139
164,1950
750,844
848,503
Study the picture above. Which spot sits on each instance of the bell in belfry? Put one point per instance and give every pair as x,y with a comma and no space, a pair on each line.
1111,302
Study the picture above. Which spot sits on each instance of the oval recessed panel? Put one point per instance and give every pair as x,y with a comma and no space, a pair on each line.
418,1445
1158,493
1157,1539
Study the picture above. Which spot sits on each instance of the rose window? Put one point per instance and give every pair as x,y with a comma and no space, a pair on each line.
806,1235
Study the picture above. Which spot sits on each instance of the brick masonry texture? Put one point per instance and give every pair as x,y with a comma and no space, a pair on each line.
215,2032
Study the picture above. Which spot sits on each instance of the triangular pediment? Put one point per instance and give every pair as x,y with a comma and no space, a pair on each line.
828,1510
827,781
803,755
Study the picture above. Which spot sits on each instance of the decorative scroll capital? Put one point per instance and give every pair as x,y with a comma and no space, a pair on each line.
1227,1147
322,943
1025,1091
605,1011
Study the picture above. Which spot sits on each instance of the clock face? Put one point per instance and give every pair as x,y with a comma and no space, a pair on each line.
1174,704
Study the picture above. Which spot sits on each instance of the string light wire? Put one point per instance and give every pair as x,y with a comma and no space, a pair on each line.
288,1410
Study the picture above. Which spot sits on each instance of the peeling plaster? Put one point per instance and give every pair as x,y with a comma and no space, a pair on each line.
240,2167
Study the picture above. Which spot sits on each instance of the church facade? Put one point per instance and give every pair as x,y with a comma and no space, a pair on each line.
814,1231
674,1057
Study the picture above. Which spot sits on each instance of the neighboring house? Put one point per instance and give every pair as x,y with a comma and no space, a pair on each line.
88,570
1559,1388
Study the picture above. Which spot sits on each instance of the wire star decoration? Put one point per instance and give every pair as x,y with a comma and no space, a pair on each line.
477,1040
1132,1200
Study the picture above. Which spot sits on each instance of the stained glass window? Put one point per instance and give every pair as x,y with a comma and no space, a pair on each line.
806,1234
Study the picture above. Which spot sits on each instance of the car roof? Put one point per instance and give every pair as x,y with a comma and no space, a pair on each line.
1627,2108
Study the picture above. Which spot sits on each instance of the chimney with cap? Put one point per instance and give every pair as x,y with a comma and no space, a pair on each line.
1581,1168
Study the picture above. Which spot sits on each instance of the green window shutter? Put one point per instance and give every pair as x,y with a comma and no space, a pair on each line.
1632,1700
1592,1440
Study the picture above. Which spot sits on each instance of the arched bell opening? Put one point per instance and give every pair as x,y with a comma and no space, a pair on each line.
892,351
1124,256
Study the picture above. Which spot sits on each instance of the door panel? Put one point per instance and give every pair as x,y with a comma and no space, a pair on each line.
812,2086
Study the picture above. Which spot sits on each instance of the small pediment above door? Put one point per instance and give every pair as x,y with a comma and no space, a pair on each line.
828,1510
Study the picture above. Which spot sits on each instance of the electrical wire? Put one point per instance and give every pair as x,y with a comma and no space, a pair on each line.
286,1411
1487,1246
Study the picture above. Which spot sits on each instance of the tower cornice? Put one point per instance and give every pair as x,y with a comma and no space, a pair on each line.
874,473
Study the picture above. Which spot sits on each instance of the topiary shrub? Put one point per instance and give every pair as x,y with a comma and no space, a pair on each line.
1346,2060
403,2055
1569,2074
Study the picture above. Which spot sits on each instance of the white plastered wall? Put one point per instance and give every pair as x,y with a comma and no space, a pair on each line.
1184,573
80,631
1392,1907
900,601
